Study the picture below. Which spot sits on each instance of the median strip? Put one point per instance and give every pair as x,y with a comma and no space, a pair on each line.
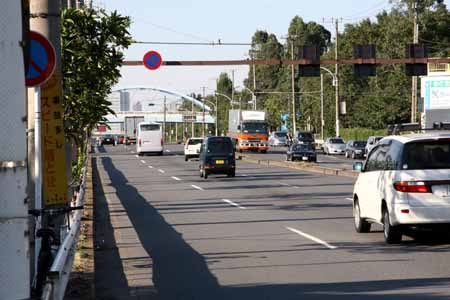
312,238
234,204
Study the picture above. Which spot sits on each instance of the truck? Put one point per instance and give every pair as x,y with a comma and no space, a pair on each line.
130,129
249,130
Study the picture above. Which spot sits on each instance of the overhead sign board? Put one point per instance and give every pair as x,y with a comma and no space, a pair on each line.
152,60
41,60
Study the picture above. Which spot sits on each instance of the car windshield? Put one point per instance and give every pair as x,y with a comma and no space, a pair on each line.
427,155
195,141
280,134
302,147
305,136
359,144
220,146
254,128
337,141
150,127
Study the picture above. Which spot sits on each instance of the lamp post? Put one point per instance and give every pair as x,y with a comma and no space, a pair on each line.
322,124
253,97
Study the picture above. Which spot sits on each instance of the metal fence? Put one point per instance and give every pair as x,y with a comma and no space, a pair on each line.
59,273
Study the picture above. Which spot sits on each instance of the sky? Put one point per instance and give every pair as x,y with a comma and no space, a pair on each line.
231,21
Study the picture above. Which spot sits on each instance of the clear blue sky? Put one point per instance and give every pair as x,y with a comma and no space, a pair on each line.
210,20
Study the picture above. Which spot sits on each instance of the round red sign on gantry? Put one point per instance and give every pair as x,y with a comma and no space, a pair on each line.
152,60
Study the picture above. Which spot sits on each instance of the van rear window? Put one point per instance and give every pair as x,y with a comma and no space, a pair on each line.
150,127
426,155
195,141
220,146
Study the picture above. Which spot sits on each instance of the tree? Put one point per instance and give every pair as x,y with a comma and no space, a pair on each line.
224,86
92,53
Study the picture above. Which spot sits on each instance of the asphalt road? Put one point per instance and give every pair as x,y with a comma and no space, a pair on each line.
273,233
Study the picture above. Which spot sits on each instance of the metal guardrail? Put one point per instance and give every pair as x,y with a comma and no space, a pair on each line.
59,273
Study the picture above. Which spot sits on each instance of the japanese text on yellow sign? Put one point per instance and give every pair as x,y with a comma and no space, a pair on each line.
53,148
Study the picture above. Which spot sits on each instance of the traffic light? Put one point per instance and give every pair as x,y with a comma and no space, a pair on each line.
365,52
416,51
310,53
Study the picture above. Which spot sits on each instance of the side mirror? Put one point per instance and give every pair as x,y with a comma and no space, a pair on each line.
357,166
239,127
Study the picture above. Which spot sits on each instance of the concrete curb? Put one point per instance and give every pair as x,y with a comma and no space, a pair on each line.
309,167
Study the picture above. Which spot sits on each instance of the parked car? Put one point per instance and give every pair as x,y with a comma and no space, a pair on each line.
334,146
355,149
404,183
305,137
371,142
192,148
304,152
217,157
277,138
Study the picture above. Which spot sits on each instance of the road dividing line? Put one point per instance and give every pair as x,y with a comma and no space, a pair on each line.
312,238
176,178
295,187
143,161
197,187
349,199
150,167
161,171
137,156
285,184
234,204
244,175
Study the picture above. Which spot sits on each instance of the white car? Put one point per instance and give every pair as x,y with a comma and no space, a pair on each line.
371,142
334,146
192,148
405,182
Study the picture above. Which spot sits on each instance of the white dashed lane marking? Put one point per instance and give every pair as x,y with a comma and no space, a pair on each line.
312,238
234,204
197,187
176,178
161,171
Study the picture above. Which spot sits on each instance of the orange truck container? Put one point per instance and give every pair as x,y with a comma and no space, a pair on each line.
249,130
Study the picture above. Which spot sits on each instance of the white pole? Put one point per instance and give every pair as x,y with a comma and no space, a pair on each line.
322,122
37,164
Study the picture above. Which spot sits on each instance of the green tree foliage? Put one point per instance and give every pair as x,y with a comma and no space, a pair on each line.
224,86
92,53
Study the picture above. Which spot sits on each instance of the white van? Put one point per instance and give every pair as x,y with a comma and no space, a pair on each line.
149,138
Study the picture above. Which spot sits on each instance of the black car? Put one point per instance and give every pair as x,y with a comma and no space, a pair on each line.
217,157
355,149
107,139
305,137
304,152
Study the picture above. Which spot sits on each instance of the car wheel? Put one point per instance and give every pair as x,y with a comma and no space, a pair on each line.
361,225
205,174
186,158
287,157
346,154
201,173
392,234
353,155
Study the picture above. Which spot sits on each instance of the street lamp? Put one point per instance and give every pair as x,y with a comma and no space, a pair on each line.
253,97
335,81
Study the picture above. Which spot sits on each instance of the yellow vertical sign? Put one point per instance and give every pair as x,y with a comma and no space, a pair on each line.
53,145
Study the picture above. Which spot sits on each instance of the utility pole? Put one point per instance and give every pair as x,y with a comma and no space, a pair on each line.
192,120
203,110
232,85
322,123
294,123
337,76
164,120
414,78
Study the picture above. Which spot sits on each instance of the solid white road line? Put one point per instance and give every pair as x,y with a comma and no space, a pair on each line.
197,187
161,171
312,238
150,167
176,178
143,161
234,204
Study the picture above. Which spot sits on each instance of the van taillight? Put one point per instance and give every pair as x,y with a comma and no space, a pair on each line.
412,187
162,142
140,142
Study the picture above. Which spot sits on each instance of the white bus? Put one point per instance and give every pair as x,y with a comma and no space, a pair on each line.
149,138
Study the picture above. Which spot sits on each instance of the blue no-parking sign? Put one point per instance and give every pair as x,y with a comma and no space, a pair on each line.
152,60
42,58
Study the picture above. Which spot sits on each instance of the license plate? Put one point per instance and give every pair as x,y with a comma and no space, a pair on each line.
305,158
220,162
441,190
